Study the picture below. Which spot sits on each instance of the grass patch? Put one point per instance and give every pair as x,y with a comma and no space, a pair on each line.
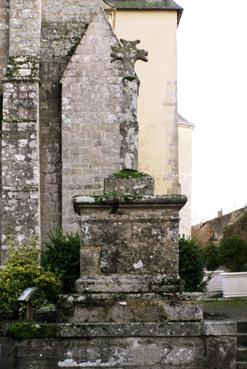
222,309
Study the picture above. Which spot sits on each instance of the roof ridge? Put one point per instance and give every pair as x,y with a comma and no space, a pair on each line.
147,5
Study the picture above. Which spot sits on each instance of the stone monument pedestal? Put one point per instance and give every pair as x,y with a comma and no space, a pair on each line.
129,255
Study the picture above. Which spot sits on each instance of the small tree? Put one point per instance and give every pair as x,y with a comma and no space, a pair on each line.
191,265
233,253
62,257
211,256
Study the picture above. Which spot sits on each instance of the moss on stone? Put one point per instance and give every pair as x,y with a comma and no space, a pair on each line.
26,330
130,78
105,196
17,64
129,173
18,120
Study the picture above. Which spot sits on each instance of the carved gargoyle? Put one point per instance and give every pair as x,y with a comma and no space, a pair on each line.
128,53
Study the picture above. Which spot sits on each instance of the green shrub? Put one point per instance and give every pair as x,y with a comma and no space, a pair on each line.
191,265
211,256
62,257
21,271
233,253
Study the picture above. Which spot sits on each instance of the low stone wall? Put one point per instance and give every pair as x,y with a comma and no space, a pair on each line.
194,345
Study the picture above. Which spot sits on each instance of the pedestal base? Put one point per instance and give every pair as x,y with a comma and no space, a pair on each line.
130,308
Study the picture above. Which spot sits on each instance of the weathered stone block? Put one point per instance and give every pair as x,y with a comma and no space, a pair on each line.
136,236
129,183
90,260
132,308
221,352
135,352
223,328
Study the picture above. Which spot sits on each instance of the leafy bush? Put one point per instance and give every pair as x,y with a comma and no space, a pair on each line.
191,265
21,271
211,256
233,253
62,257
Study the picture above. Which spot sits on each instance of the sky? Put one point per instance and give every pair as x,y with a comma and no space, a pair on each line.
212,94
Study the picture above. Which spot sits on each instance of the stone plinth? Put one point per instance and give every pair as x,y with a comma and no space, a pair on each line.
128,245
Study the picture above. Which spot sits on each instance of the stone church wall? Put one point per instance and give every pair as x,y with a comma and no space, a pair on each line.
4,45
4,38
24,27
20,163
20,126
63,25
48,33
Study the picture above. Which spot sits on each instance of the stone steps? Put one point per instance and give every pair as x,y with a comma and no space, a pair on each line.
242,340
241,345
242,354
241,365
242,327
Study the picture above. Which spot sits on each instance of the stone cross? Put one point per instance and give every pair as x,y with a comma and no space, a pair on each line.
128,54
